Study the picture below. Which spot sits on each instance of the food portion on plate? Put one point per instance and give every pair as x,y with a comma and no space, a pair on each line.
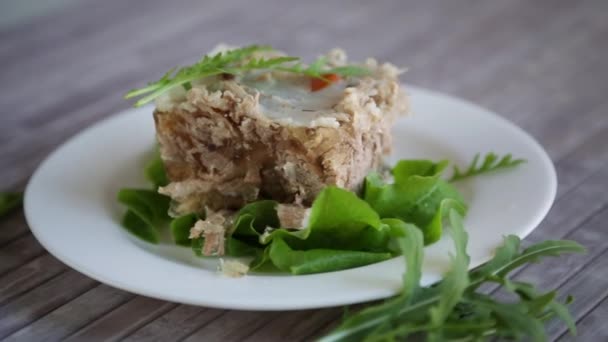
230,139
263,156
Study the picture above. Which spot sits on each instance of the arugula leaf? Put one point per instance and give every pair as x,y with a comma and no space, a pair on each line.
146,212
418,196
375,318
491,162
319,68
180,229
155,171
205,67
512,319
319,260
506,261
411,244
561,311
455,282
234,62
9,201
452,309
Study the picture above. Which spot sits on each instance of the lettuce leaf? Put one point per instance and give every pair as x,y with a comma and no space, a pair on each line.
319,260
180,229
338,220
418,195
155,171
146,212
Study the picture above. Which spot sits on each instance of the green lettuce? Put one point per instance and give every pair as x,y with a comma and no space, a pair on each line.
343,230
155,171
338,220
180,229
146,213
319,259
418,195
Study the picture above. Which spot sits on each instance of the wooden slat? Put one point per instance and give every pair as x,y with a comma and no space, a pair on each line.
29,275
12,226
295,326
121,321
231,326
26,308
19,252
61,322
175,324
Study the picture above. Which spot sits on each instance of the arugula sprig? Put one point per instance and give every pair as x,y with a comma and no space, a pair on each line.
491,162
453,309
319,69
236,62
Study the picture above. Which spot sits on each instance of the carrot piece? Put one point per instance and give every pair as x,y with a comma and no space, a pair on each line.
320,83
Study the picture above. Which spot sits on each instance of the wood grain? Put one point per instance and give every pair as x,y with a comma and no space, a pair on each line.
541,64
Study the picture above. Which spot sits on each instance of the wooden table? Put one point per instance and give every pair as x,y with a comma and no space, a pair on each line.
541,64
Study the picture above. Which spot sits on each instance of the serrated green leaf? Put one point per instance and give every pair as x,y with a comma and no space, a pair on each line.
513,319
562,312
534,253
491,162
502,256
456,280
412,244
235,62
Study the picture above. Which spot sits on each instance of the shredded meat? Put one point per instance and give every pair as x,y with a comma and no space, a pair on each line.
292,216
213,230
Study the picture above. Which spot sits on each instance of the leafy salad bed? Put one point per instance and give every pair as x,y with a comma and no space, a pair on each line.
344,229
387,219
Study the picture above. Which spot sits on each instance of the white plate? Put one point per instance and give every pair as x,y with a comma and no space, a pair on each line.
71,207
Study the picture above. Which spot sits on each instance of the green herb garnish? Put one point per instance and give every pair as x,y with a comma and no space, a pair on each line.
491,162
453,309
319,68
236,62
10,201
